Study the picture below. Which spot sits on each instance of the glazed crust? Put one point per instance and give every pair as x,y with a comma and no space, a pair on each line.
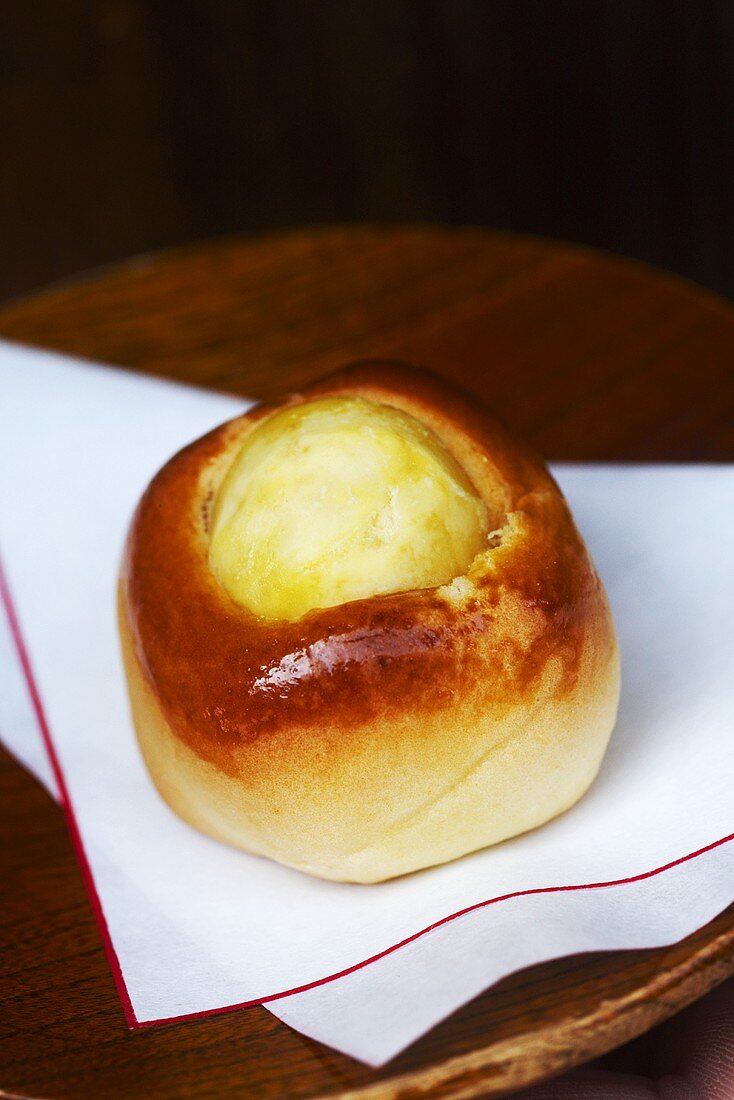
390,733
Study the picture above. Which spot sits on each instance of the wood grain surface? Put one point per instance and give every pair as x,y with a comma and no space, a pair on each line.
589,357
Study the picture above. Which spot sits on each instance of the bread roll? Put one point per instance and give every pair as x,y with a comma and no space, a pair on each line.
361,632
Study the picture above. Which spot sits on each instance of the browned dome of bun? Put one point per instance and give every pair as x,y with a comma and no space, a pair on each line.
390,733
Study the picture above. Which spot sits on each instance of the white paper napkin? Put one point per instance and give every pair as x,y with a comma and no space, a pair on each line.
192,926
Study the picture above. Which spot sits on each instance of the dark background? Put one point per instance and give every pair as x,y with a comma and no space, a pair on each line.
127,125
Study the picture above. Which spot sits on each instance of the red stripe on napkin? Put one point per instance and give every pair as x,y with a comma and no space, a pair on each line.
131,1018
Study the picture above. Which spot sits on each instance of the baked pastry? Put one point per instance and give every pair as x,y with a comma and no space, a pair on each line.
361,632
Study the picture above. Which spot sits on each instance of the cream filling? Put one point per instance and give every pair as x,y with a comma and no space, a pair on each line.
340,499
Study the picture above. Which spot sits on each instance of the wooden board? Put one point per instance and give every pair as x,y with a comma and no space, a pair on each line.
589,357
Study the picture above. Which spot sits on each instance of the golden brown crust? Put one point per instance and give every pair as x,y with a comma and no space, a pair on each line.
244,695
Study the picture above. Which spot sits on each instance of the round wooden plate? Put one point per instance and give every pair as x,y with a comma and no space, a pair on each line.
589,357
